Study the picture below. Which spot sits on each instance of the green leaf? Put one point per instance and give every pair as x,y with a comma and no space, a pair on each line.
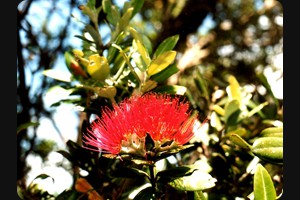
113,14
230,108
112,51
161,62
165,74
138,42
257,109
44,176
198,180
171,89
269,149
149,85
201,84
234,90
137,5
238,140
198,195
263,185
145,194
95,35
272,132
123,22
166,45
26,125
266,84
69,195
176,172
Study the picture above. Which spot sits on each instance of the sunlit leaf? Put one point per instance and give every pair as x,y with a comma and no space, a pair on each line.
269,149
145,194
123,22
143,52
257,109
149,85
94,34
234,90
198,195
263,185
58,75
198,180
113,14
166,45
171,89
137,5
215,121
176,172
218,109
272,132
107,92
138,41
230,108
161,62
242,132
165,74
238,140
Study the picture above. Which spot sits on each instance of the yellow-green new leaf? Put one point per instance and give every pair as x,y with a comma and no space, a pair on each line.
234,90
161,62
238,140
263,185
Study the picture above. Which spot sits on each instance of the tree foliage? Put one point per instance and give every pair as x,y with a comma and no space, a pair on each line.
157,46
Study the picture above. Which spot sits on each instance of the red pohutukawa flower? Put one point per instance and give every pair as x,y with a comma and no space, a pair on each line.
123,129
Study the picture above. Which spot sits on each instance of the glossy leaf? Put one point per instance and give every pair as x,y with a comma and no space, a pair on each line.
198,195
138,41
234,90
165,74
145,194
263,185
198,180
172,89
166,45
176,172
231,108
272,132
215,121
98,67
269,149
238,140
137,5
161,62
